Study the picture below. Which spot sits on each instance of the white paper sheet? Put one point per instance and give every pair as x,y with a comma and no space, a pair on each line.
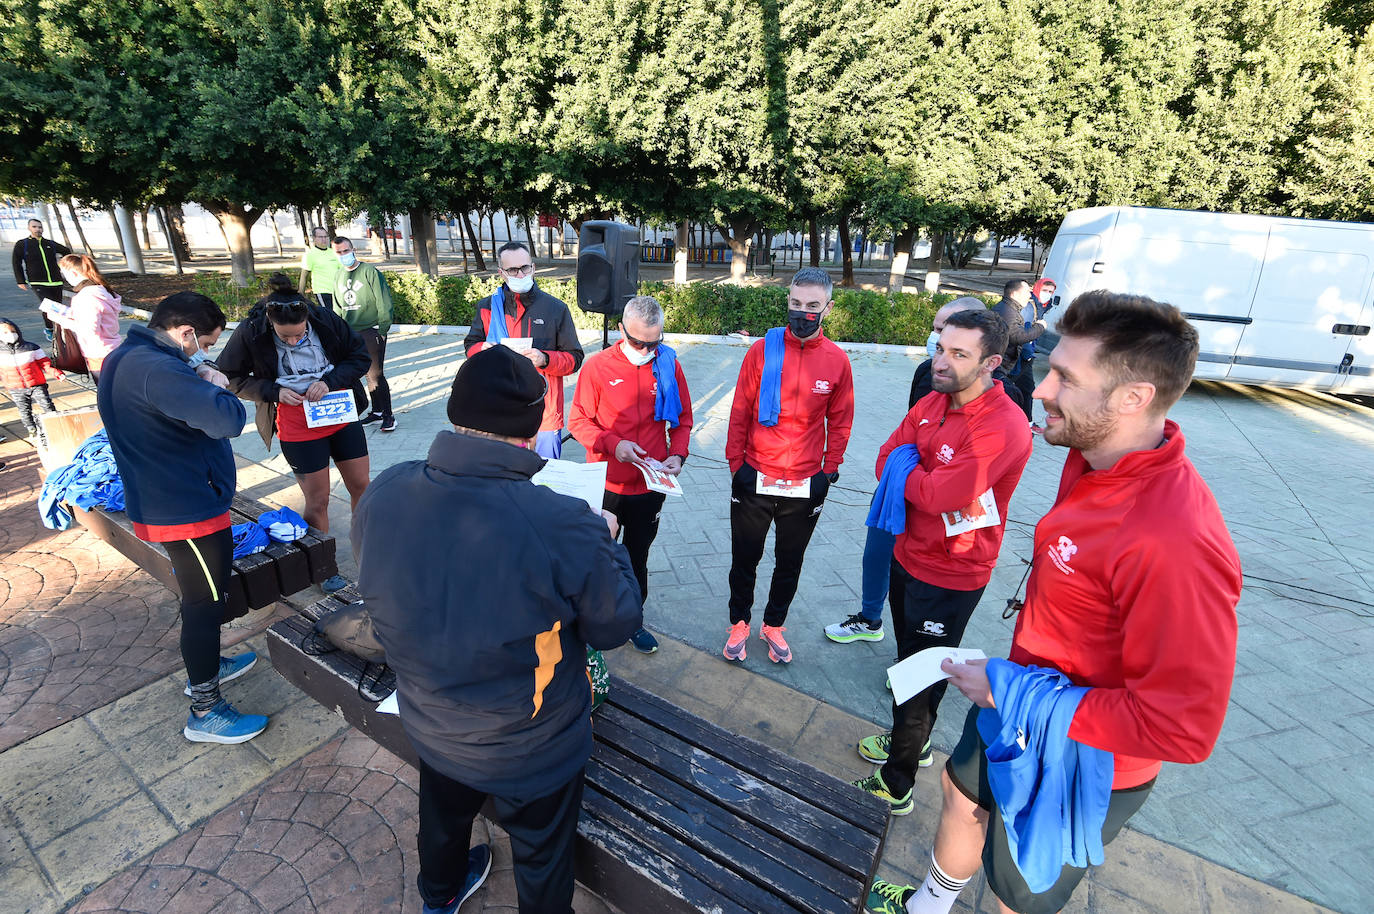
586,481
334,408
389,705
922,669
657,480
519,343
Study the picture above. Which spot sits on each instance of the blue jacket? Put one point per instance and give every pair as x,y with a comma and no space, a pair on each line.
485,590
169,431
1052,791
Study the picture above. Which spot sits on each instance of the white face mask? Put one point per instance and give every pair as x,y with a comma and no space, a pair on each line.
638,357
930,343
520,284
72,279
8,338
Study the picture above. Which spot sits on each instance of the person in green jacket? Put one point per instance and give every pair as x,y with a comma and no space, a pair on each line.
363,299
319,267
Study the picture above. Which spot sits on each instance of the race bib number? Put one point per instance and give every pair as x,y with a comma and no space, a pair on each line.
979,514
787,488
334,408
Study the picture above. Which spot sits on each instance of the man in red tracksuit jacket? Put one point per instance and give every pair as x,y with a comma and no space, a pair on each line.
533,314
1132,592
973,445
613,417
782,471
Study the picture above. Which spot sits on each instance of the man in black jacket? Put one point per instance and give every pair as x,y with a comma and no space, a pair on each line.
921,380
1016,295
35,267
486,590
542,324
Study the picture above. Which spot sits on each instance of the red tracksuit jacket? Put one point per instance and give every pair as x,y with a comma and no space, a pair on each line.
965,452
1133,592
614,401
815,419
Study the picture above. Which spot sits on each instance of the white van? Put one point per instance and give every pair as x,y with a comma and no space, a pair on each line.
1275,300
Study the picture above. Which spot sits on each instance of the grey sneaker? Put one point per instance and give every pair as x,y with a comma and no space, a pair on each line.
855,628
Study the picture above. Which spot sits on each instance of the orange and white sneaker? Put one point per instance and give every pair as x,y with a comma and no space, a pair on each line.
778,651
734,645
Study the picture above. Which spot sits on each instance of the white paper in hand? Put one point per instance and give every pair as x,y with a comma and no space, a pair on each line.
389,705
519,343
657,480
586,481
922,669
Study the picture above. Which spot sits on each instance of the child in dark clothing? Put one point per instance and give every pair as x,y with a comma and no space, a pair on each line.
24,371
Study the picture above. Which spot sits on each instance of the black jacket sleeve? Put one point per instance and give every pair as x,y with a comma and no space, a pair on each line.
350,358
1018,333
475,332
567,340
920,383
19,262
236,361
606,599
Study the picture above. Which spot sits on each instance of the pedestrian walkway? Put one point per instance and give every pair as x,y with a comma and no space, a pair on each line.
104,781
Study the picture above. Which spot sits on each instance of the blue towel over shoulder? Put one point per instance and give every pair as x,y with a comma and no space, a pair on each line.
770,383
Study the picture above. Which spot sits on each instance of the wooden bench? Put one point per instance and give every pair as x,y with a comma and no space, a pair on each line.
678,815
254,582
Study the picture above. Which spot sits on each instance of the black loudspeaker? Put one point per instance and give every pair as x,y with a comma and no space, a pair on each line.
607,266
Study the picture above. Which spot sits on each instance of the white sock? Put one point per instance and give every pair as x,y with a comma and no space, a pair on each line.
937,894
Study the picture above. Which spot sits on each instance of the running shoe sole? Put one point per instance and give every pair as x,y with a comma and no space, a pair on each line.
200,736
855,636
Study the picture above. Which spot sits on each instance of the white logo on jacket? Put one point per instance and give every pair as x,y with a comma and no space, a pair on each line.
933,628
946,453
537,320
822,386
614,381
1062,552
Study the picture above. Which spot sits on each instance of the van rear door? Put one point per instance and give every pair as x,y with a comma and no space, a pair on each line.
1308,305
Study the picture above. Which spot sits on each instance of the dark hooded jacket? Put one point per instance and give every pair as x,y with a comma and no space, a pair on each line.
485,590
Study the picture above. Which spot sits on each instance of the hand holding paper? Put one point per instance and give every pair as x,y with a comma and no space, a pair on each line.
923,669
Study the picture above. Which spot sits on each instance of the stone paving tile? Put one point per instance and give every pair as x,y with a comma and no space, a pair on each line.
333,832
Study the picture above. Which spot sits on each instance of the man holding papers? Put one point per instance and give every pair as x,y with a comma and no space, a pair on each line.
1131,599
632,410
539,327
963,447
485,591
789,426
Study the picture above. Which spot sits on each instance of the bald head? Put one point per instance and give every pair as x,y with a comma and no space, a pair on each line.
967,303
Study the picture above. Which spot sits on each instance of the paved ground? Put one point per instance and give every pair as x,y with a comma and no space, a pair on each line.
1282,800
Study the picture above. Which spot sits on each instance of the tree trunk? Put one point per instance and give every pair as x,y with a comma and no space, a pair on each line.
937,245
329,222
305,229
276,232
491,220
426,245
171,246
815,229
236,222
133,256
506,216
176,219
847,255
448,225
680,246
119,235
996,253
901,257
143,227
61,225
80,232
476,241
740,237
529,236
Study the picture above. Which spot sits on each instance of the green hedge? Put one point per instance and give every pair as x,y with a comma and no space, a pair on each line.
859,316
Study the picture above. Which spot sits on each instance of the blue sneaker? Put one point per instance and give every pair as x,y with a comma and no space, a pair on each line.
334,584
223,725
479,865
644,642
231,668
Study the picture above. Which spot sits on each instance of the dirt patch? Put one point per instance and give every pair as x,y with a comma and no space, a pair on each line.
149,289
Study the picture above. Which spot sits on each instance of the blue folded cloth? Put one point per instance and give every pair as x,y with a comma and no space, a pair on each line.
770,382
90,480
496,330
888,510
249,539
283,525
668,400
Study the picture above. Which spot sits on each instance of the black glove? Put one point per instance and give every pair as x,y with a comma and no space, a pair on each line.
833,477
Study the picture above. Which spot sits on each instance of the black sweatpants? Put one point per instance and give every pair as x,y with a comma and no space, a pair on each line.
381,393
750,516
24,398
202,568
541,832
49,293
1024,379
638,516
923,616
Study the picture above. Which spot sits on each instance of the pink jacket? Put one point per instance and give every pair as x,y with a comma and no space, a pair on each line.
93,315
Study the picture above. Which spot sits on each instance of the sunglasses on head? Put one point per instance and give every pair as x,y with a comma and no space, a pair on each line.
288,309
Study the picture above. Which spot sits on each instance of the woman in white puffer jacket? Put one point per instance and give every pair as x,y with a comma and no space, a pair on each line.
93,312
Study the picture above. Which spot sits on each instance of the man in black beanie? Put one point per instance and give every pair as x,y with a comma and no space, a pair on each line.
485,590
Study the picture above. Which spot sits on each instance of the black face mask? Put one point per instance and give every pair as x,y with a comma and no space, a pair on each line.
803,324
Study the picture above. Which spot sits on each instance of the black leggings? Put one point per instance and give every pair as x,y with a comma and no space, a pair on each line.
202,568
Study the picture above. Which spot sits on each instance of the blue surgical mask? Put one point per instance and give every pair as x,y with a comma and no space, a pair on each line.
348,259
520,284
196,359
930,343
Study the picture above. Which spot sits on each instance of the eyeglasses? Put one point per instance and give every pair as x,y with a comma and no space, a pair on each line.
641,345
525,270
